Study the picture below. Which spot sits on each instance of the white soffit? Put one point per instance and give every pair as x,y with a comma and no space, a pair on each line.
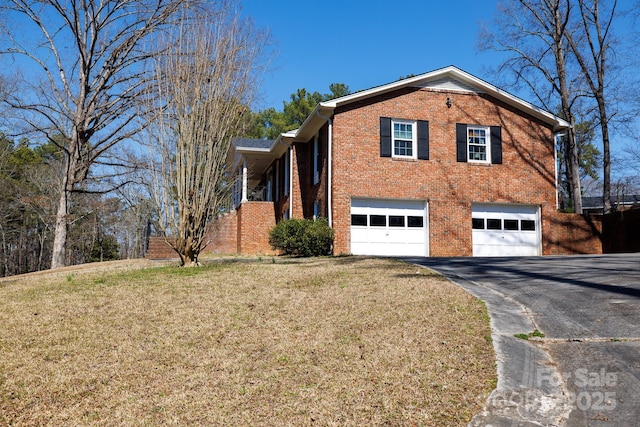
448,84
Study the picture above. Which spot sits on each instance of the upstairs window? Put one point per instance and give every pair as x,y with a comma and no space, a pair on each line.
404,139
478,147
478,144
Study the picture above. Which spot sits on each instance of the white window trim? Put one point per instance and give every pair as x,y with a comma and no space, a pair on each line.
414,139
487,132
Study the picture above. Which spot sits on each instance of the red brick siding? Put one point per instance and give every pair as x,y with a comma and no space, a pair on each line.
222,240
570,234
255,220
526,175
299,160
159,249
224,235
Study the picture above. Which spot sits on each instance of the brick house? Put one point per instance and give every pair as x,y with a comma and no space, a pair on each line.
440,164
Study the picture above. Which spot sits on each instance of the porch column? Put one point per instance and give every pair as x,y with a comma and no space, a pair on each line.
244,181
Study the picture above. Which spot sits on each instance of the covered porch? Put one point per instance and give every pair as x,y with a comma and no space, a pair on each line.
252,162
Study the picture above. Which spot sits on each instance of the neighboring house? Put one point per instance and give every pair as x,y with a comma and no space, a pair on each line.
440,164
594,205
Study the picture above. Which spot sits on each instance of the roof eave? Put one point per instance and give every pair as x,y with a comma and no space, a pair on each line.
324,110
483,86
314,121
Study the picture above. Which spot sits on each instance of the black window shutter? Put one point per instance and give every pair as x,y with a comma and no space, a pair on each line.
496,145
423,139
385,137
461,142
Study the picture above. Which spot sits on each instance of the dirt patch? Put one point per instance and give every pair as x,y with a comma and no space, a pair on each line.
330,341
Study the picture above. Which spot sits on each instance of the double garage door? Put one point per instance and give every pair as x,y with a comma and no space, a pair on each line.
401,227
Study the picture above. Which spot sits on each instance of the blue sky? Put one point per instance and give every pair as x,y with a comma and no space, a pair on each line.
367,43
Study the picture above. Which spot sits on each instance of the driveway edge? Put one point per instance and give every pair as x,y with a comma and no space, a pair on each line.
527,393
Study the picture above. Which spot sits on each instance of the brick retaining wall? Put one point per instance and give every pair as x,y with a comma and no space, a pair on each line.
572,234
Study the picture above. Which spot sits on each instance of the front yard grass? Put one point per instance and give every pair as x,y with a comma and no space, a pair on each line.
323,341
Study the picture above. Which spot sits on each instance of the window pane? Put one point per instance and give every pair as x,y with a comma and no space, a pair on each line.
494,224
396,221
511,224
527,225
359,220
403,130
477,143
477,223
415,221
377,220
477,136
477,152
402,148
403,139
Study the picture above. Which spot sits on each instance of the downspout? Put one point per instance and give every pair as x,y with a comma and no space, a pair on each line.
555,164
329,170
290,154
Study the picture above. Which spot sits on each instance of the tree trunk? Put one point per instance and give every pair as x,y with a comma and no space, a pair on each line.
606,157
570,143
5,266
573,170
58,256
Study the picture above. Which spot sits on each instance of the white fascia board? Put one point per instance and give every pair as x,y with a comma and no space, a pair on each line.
253,150
513,100
311,124
411,81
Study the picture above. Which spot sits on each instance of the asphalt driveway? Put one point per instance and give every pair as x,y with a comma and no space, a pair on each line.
585,371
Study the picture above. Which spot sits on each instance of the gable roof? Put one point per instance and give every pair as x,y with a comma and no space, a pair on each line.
449,78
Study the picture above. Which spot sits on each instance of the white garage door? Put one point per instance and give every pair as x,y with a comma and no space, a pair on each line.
389,227
506,230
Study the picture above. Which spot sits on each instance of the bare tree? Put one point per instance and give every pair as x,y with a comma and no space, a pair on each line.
532,34
85,74
591,45
206,82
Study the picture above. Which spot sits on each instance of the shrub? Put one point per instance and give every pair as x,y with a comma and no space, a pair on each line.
302,237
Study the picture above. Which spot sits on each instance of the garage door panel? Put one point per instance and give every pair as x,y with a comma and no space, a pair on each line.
505,230
392,227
